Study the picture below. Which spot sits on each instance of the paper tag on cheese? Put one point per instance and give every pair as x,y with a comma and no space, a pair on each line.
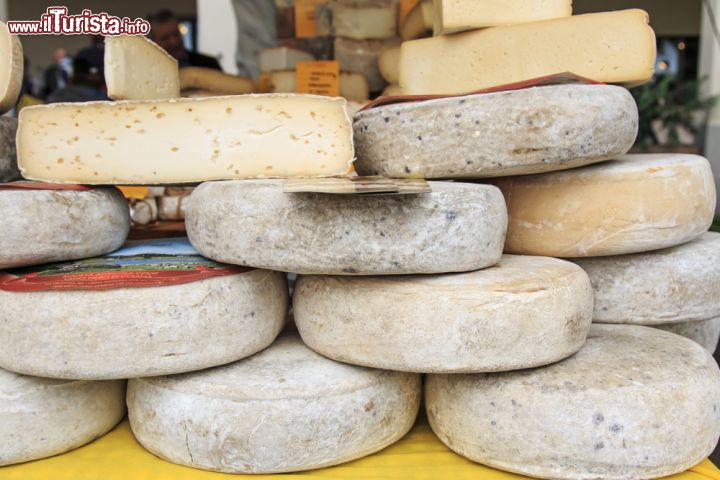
134,192
306,17
22,185
318,78
149,263
405,7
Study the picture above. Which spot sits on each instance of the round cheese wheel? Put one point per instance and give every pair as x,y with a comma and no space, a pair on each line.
9,171
134,332
43,226
523,131
704,332
522,312
634,403
677,284
636,204
40,417
285,409
11,68
457,227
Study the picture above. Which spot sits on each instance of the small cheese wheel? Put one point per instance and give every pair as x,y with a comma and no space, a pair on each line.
9,171
141,331
43,226
677,284
457,227
40,417
704,332
11,68
285,409
518,132
522,312
634,403
635,204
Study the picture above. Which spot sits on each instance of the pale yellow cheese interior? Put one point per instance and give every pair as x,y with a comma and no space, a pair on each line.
11,68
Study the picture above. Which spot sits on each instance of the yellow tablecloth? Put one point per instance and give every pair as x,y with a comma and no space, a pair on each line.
419,455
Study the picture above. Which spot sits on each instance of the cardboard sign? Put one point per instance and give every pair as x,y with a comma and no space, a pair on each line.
306,17
318,78
405,7
134,192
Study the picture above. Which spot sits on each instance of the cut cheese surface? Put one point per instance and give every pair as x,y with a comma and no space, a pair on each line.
418,22
136,68
633,403
704,332
521,313
518,132
679,284
43,226
11,68
282,58
389,64
361,56
214,81
364,19
457,227
451,16
285,409
635,204
8,158
185,140
614,47
40,417
145,331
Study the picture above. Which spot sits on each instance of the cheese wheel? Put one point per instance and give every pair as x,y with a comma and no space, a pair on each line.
389,64
11,68
285,409
517,132
635,204
704,332
9,171
634,403
522,312
214,81
141,331
43,226
678,284
457,227
40,417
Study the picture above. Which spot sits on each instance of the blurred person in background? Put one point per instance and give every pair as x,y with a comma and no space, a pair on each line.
58,74
165,31
87,83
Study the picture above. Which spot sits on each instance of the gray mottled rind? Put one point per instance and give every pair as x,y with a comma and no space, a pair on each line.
457,227
43,226
9,170
634,403
522,312
40,417
138,332
518,132
285,409
677,284
704,332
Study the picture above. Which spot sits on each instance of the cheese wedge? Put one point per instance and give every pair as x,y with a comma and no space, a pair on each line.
185,140
364,19
389,63
614,47
282,58
451,16
11,68
215,81
418,22
136,68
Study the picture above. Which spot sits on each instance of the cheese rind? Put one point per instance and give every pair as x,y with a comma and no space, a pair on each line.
44,226
635,204
164,330
704,332
523,312
517,132
11,68
457,227
614,47
136,68
361,56
389,64
211,80
678,284
9,171
282,58
634,403
418,22
364,19
186,140
450,16
40,417
285,409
